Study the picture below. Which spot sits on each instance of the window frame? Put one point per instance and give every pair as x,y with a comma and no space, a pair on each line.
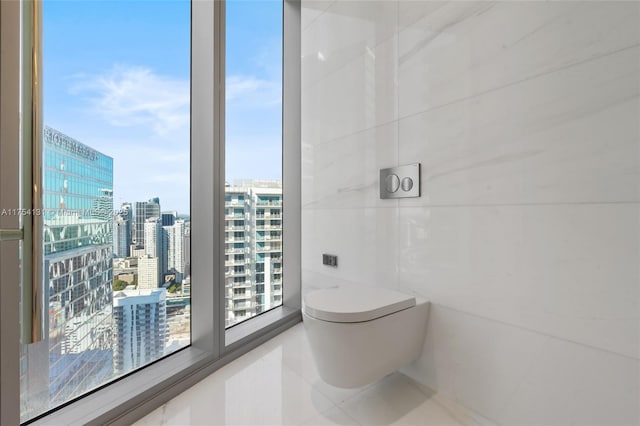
131,397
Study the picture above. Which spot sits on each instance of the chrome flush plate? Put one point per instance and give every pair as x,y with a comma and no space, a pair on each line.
400,182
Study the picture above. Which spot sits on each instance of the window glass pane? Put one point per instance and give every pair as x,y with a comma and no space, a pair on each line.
253,164
116,152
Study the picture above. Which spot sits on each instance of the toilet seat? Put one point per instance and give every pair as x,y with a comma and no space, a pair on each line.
351,304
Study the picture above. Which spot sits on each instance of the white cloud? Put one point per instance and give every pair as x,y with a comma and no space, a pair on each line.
141,173
131,96
253,91
128,96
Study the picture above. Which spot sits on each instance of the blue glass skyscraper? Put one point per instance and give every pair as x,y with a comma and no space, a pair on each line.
78,247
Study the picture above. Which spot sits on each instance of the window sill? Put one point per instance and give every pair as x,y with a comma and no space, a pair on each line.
132,397
236,335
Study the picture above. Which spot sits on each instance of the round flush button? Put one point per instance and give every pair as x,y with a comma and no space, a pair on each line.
392,183
407,184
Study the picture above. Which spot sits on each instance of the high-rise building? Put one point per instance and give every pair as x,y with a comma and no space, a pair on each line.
136,250
78,249
122,231
253,248
187,249
145,210
126,211
152,236
148,275
266,242
154,246
173,243
140,328
169,218
121,236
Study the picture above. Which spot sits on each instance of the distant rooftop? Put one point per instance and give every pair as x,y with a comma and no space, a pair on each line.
255,183
60,140
120,296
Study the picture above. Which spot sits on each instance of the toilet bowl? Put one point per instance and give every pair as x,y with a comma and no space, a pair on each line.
359,335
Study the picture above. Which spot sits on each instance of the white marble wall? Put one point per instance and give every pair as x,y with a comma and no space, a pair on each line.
525,117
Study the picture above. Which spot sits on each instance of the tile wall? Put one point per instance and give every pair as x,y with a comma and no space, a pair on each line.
525,117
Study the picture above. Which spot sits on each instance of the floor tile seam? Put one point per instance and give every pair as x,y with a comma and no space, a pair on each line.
221,382
397,413
306,420
326,395
470,413
354,420
447,410
425,390
372,386
311,386
318,389
437,396
455,399
318,412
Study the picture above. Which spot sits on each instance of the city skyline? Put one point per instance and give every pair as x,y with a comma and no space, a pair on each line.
116,185
115,90
77,278
94,331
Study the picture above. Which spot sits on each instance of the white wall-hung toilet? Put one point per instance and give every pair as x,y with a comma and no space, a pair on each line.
358,335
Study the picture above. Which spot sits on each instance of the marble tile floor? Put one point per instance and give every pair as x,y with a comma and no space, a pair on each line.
278,384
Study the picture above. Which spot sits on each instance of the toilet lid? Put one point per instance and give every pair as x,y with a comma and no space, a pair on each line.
351,304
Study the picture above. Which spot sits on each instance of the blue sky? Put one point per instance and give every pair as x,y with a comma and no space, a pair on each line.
116,77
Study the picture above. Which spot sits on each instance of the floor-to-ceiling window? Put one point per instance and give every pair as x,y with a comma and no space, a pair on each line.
115,207
253,166
148,126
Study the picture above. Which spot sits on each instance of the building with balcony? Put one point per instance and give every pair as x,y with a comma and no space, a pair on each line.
253,248
140,328
148,273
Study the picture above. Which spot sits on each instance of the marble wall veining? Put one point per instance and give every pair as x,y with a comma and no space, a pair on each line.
525,117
